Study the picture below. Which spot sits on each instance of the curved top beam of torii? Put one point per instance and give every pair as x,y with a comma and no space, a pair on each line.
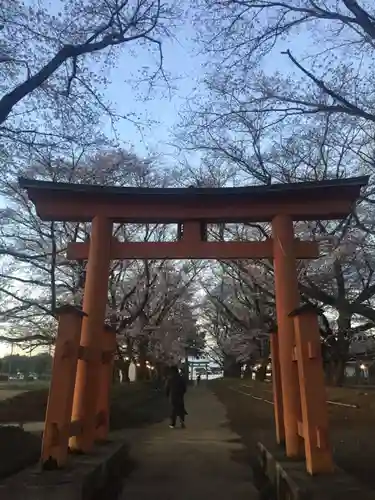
318,200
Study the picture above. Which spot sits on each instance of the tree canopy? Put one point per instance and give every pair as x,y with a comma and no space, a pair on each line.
285,94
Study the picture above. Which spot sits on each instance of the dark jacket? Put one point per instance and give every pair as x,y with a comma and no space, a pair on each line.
176,388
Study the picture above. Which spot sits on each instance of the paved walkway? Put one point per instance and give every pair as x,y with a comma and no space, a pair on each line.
191,464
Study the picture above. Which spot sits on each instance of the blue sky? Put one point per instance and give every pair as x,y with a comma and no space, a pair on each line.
163,106
186,69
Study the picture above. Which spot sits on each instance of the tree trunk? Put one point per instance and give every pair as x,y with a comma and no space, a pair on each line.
122,369
371,372
160,374
338,375
143,373
260,374
142,370
340,353
248,371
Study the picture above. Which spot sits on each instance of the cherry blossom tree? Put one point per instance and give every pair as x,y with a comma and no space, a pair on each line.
238,316
35,276
327,71
280,106
56,61
258,150
150,303
153,313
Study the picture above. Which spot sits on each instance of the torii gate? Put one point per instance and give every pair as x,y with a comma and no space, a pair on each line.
198,364
300,413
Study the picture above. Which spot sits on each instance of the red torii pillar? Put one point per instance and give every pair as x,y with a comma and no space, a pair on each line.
105,382
277,390
57,424
308,358
287,300
94,305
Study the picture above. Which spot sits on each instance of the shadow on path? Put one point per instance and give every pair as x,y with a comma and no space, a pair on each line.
191,464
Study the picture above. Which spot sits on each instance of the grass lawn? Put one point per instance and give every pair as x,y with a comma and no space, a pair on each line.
13,388
23,385
352,429
132,405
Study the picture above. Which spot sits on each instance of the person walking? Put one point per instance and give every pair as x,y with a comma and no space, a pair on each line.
176,389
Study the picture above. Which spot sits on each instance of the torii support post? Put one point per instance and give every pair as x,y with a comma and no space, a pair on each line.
94,304
314,425
60,398
277,390
287,299
105,383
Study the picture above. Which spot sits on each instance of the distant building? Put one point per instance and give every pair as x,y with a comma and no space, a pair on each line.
362,344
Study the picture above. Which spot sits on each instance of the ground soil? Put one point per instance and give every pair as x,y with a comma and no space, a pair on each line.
352,429
133,405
